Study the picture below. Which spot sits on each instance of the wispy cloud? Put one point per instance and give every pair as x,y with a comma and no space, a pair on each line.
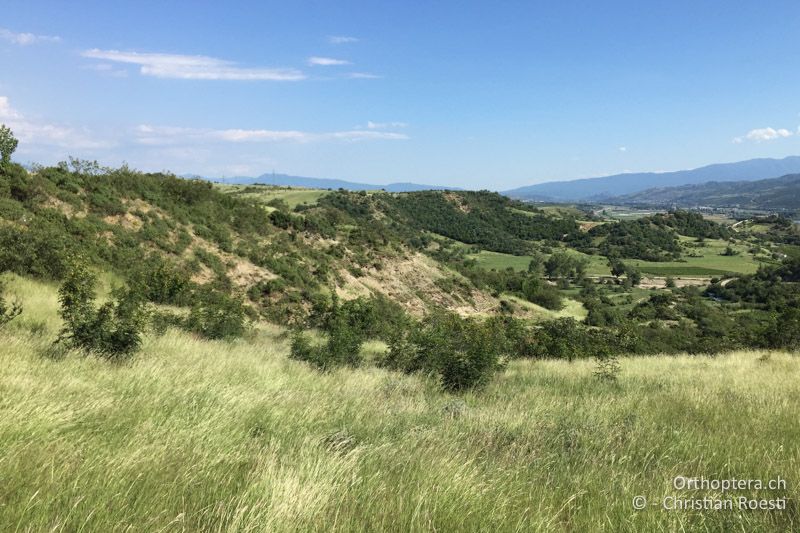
107,69
342,39
763,134
317,61
385,125
363,76
189,67
166,135
623,148
25,39
33,132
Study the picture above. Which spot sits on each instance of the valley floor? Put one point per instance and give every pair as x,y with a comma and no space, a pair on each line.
199,435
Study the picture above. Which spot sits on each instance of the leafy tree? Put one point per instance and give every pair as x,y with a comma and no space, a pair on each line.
8,143
536,265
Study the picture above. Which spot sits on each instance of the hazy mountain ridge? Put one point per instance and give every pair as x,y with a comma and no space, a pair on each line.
776,193
323,183
603,188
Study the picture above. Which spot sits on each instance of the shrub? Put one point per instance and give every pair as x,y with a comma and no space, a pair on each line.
215,315
463,353
607,368
160,321
8,312
541,293
113,330
375,317
162,283
343,348
346,328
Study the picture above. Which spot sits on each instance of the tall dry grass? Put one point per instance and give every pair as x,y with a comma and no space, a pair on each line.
195,435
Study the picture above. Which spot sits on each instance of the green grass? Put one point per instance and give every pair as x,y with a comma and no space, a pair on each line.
211,436
572,309
293,196
557,210
597,265
500,261
712,263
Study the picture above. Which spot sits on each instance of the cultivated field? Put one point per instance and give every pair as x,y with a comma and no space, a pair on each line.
200,435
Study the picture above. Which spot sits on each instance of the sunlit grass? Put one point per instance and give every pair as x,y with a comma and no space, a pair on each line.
293,196
710,262
198,435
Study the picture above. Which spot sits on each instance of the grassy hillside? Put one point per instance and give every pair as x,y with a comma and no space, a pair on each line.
233,436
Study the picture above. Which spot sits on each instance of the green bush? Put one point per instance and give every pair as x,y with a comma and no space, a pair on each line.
539,292
462,353
161,321
161,282
346,326
8,311
113,330
215,315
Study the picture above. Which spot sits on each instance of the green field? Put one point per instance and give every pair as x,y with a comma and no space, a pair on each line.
500,261
625,213
196,435
558,210
572,309
712,263
597,265
293,196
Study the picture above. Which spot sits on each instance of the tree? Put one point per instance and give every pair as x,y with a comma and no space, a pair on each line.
8,143
536,265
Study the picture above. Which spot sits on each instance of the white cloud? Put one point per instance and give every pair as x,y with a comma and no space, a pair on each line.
385,125
363,76
166,135
6,111
763,134
326,61
107,69
188,67
341,39
33,133
623,148
25,39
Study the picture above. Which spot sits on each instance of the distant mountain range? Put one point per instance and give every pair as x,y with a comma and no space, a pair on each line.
323,183
780,194
603,188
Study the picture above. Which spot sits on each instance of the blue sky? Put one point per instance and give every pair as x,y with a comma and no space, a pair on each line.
492,94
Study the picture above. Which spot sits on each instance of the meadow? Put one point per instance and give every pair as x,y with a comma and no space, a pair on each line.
597,265
293,196
710,261
233,436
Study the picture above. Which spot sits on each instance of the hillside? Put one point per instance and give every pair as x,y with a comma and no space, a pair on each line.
776,194
288,254
602,188
191,235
